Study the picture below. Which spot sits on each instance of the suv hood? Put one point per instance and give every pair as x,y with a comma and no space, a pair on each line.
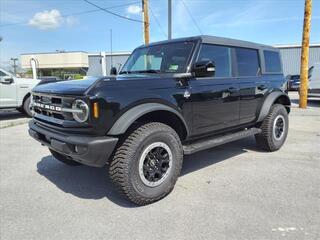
70,87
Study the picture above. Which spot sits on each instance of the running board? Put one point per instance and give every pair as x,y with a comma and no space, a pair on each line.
216,141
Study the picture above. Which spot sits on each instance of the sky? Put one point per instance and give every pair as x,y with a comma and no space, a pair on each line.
34,26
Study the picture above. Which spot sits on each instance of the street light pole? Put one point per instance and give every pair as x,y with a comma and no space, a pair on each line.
305,55
111,53
14,65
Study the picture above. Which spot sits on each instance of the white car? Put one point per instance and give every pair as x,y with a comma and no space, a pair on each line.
15,92
314,81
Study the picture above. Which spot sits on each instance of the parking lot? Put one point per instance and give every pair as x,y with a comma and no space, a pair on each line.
234,191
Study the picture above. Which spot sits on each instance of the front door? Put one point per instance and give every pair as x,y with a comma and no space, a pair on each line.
8,91
215,100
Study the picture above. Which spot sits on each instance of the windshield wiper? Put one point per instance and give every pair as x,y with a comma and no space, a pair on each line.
125,72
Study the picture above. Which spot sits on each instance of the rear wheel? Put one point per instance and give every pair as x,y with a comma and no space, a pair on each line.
274,129
146,165
62,158
26,107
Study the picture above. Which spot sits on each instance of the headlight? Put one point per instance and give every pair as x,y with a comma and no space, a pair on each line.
81,110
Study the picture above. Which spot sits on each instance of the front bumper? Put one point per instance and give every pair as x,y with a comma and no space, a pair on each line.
89,150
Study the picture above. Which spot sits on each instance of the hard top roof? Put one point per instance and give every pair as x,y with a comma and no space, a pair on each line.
218,41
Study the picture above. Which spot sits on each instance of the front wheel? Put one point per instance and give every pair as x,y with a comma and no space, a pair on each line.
147,164
274,129
26,107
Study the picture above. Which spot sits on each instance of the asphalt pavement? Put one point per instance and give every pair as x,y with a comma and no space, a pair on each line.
235,191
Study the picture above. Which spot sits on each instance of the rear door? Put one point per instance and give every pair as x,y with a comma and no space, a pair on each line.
252,85
215,100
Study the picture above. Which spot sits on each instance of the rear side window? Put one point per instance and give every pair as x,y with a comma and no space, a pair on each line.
272,61
220,55
247,62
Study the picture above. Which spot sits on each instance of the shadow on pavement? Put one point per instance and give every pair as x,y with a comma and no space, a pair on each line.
94,183
11,114
206,158
81,181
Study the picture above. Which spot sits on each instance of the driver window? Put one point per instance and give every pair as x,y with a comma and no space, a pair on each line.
220,55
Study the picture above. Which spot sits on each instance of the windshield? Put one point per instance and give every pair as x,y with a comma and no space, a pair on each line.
162,58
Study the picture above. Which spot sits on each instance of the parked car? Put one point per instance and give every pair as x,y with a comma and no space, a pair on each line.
293,82
314,81
15,92
170,99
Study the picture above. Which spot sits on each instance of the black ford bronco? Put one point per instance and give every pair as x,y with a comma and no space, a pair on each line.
170,98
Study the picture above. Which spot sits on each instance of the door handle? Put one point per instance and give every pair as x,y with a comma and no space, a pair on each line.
229,91
232,90
262,87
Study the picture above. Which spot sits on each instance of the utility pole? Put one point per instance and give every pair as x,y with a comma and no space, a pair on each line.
145,21
14,65
169,19
305,55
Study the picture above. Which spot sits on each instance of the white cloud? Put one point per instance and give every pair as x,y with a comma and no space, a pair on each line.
134,9
48,20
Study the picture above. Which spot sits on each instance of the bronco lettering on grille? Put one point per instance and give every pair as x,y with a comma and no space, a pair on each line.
49,107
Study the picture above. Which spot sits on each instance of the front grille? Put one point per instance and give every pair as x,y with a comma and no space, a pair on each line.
50,106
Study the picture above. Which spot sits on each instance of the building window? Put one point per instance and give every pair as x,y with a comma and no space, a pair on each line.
220,55
272,61
247,62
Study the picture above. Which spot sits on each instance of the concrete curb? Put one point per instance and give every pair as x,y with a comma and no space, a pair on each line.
11,123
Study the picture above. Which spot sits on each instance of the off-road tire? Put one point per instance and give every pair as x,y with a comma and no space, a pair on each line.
124,167
64,159
26,107
266,139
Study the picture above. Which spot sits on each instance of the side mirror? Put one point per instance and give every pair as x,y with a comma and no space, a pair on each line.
7,80
113,71
203,69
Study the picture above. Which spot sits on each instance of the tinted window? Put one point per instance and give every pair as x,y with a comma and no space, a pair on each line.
272,61
2,74
220,55
162,58
247,62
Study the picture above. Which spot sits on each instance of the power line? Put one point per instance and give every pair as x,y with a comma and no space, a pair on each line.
112,13
97,10
75,14
158,23
189,12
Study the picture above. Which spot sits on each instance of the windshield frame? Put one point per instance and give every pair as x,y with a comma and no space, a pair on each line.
187,65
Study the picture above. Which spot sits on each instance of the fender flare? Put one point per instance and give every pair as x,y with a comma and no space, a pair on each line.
130,116
269,101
